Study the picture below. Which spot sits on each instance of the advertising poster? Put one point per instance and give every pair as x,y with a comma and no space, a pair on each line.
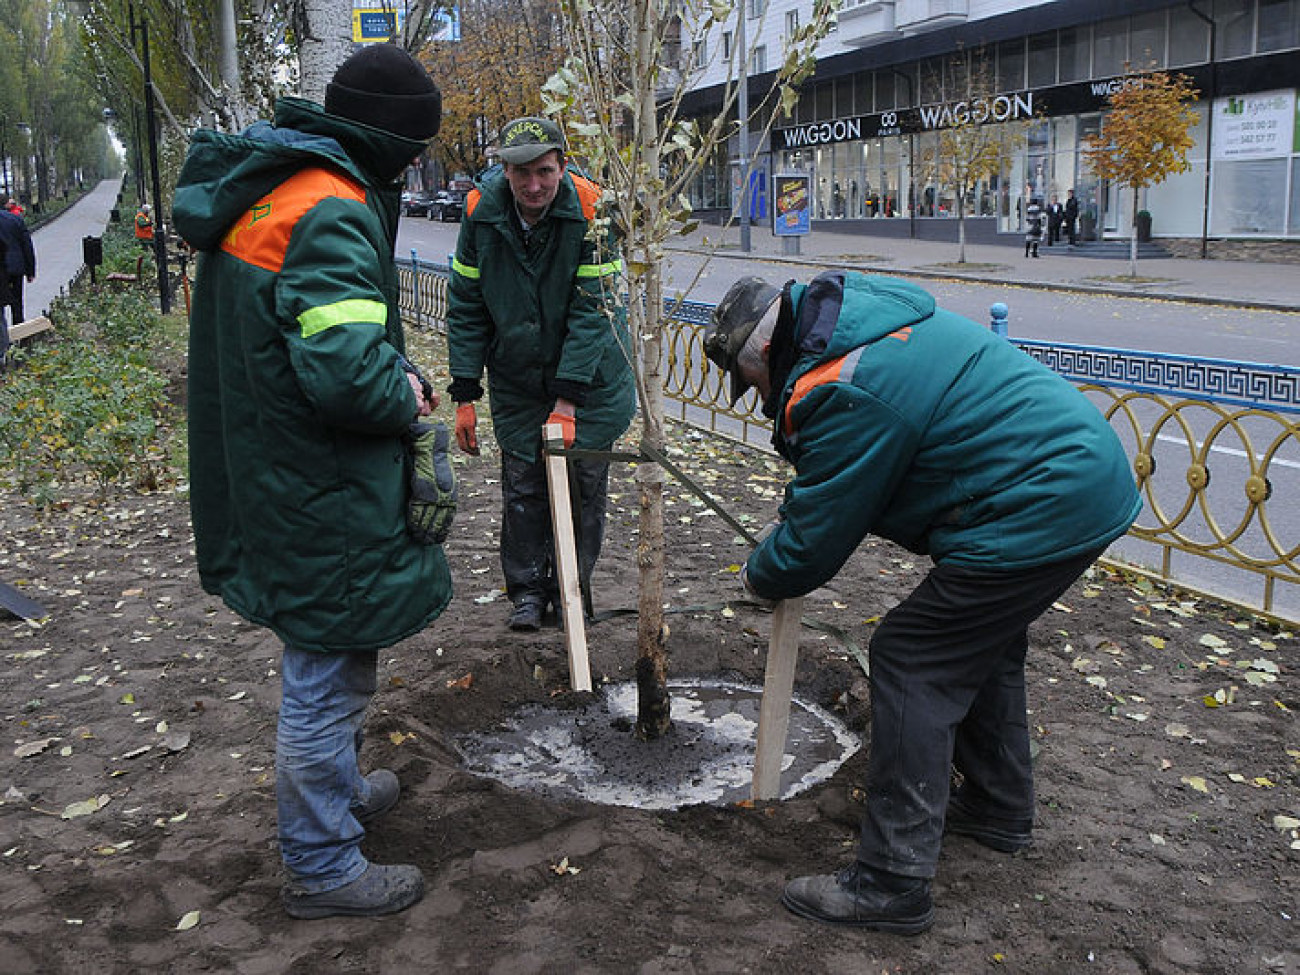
1257,126
791,204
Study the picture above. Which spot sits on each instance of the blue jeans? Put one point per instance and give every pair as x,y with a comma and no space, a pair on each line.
318,784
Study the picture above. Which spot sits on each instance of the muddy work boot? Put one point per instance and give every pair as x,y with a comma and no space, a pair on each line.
995,832
380,890
860,897
526,617
384,791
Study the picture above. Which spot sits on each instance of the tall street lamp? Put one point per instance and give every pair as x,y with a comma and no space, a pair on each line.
159,237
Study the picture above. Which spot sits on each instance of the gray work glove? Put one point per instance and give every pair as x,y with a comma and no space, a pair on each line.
432,504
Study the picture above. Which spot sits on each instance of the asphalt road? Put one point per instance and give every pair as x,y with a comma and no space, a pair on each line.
1120,322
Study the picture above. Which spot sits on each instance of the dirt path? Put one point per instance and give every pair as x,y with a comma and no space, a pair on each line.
1158,849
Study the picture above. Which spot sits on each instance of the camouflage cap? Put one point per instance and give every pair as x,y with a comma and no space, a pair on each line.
526,139
734,321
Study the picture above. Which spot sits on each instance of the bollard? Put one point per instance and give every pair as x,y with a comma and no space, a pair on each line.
998,313
415,286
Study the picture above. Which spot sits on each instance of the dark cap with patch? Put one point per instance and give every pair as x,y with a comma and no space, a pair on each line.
734,321
526,139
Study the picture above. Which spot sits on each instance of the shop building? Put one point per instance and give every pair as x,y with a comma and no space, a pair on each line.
893,73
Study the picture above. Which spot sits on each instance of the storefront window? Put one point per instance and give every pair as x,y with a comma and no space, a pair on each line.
1109,48
1147,40
932,89
1293,222
1248,197
863,95
1011,65
1279,25
1236,32
1042,60
1072,54
1189,38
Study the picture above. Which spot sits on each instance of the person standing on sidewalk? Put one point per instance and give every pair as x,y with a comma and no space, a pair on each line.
914,424
299,401
534,300
1071,217
1055,217
19,266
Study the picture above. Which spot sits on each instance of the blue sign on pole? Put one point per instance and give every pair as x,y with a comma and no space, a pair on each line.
791,204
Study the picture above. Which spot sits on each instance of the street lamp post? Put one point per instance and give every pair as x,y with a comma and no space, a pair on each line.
743,111
159,237
4,155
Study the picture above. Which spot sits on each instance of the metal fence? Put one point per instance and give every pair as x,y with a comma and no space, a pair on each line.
1215,447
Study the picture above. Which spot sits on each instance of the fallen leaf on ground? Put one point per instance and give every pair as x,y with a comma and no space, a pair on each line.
188,921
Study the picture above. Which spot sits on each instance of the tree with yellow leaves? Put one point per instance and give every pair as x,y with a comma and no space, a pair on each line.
1145,135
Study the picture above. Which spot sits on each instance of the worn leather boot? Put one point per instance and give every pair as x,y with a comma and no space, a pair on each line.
380,890
864,898
526,617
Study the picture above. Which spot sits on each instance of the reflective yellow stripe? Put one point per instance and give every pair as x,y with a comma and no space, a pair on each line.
599,270
464,269
318,319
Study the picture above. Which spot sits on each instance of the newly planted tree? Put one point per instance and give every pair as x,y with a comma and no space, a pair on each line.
1145,136
621,97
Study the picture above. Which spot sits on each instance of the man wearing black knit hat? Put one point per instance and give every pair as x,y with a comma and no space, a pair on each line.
299,397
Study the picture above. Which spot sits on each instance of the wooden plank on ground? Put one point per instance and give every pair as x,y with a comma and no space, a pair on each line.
33,326
566,560
778,687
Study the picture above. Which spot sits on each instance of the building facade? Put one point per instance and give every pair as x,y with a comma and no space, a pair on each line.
893,74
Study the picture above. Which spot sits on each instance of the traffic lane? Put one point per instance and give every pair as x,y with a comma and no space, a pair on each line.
1140,323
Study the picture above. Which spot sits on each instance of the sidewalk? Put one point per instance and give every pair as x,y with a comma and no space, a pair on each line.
1275,287
58,245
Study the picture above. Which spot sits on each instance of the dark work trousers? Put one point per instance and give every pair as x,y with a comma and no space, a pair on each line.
4,329
527,545
14,299
948,689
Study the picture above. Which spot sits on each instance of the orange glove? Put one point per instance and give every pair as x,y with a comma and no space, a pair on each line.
567,424
467,428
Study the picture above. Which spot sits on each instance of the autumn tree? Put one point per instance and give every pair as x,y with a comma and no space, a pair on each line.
493,73
1145,135
621,97
978,132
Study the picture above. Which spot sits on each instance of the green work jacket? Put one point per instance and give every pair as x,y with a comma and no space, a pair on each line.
914,424
543,317
298,396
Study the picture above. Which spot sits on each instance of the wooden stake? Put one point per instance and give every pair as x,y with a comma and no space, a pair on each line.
566,560
778,687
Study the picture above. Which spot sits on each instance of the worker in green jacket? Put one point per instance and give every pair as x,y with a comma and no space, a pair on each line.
916,425
299,400
534,300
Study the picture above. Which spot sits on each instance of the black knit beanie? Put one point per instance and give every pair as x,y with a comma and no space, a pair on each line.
385,87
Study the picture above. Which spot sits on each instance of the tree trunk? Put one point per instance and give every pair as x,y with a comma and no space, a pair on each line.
326,40
961,228
653,704
1133,242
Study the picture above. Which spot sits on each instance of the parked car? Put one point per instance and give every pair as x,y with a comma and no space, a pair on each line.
447,205
415,203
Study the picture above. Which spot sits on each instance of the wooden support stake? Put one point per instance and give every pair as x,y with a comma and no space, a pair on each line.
566,560
778,687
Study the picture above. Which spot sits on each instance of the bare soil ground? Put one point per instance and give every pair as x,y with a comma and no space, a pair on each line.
137,780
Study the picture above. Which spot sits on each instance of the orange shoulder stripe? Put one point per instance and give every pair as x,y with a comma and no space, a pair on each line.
472,201
588,194
261,236
834,371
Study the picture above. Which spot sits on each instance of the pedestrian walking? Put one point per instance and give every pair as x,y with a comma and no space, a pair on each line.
534,301
19,266
912,423
300,405
1033,227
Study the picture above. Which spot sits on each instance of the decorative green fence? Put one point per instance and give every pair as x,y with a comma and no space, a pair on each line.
1215,446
